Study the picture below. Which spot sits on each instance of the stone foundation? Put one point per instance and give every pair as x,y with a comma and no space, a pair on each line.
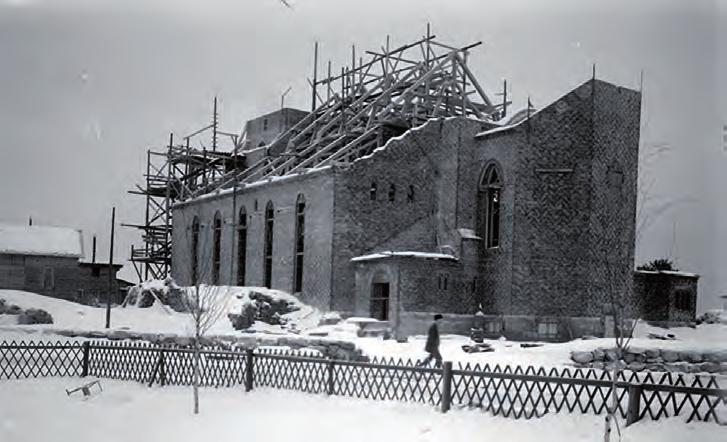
654,359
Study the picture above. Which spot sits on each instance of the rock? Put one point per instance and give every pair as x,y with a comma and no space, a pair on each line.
11,309
599,355
117,335
35,316
629,358
330,318
677,367
691,356
716,356
582,357
318,333
610,355
655,367
530,345
670,355
636,366
652,353
723,367
598,365
709,367
657,360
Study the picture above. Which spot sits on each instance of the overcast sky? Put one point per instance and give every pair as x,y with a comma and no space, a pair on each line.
86,86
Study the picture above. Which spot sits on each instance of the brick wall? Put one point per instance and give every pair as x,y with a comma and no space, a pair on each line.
317,188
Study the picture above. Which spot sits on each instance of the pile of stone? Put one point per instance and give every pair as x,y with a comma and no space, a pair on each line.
327,348
655,359
479,347
262,307
25,316
148,293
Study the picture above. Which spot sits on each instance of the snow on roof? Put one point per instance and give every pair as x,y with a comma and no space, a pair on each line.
670,272
468,234
422,255
40,240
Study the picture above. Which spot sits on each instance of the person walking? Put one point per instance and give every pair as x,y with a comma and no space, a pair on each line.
432,345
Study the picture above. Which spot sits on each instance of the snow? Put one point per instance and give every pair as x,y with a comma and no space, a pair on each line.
468,234
389,254
68,315
40,240
40,410
155,319
670,272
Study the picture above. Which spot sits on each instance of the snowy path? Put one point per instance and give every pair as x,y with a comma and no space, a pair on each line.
39,411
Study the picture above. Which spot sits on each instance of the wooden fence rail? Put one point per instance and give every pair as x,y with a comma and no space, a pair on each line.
506,391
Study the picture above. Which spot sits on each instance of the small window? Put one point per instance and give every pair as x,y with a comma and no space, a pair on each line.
372,191
216,248
392,193
443,281
265,124
474,285
548,329
17,260
255,205
410,194
95,271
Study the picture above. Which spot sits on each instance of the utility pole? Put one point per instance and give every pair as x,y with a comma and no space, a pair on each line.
111,273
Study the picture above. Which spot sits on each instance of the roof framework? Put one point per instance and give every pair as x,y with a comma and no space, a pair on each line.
367,103
379,95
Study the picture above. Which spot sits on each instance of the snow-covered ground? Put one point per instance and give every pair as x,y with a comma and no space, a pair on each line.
41,411
155,319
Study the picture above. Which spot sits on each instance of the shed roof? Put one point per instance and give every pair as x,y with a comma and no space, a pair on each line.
40,240
419,255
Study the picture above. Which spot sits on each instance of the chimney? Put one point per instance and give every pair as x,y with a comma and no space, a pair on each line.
93,250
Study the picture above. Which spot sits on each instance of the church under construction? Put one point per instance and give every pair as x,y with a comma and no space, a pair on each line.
407,191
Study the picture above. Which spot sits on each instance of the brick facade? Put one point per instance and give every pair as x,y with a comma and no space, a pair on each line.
567,212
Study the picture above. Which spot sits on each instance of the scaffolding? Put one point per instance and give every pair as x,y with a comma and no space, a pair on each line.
379,95
174,174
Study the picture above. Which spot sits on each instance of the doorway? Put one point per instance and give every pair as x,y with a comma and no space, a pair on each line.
380,301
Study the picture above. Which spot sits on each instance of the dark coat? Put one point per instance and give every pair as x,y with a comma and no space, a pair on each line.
432,339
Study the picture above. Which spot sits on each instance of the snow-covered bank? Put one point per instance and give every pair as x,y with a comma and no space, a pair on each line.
41,411
156,319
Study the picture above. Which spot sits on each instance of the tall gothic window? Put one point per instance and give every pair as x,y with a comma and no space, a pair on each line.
216,248
241,246
268,252
490,195
195,251
299,243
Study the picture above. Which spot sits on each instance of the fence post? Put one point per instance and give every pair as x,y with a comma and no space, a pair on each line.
162,370
633,413
86,354
249,373
446,386
331,377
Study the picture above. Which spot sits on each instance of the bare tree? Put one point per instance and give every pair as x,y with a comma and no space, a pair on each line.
205,303
613,257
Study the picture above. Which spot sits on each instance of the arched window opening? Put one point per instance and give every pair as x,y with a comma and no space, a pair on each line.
372,191
299,244
268,252
216,248
491,192
410,194
195,251
392,193
241,246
